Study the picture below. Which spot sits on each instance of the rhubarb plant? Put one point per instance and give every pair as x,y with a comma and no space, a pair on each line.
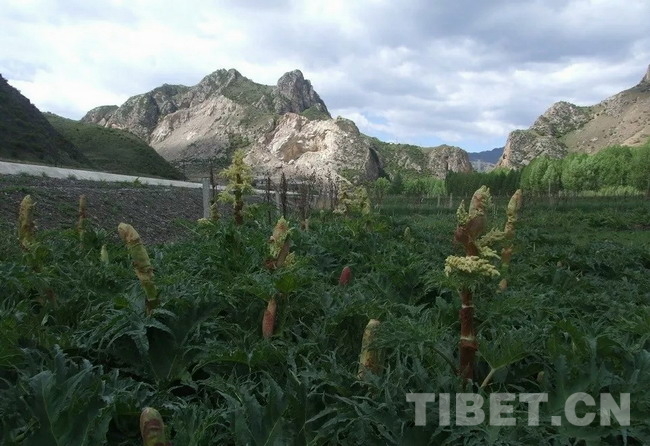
239,176
141,264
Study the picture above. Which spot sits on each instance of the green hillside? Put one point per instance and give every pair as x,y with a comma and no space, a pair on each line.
114,150
25,135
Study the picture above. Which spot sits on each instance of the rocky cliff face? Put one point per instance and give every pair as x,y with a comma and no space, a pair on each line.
302,147
566,128
444,158
413,160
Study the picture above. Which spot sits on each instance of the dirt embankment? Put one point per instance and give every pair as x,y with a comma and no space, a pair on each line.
157,212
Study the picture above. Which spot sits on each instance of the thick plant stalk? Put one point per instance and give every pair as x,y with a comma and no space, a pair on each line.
152,428
141,263
26,226
369,358
103,255
268,321
346,276
81,221
239,203
509,232
471,225
468,344
279,246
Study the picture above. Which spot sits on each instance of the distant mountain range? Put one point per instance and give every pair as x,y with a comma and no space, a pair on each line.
485,160
175,130
488,156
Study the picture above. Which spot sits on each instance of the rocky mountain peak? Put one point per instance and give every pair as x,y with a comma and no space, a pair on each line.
219,79
561,118
295,94
646,78
291,78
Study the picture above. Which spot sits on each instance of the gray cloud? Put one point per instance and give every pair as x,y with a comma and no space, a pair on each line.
462,72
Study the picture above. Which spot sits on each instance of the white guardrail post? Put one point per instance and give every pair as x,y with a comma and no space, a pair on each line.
206,197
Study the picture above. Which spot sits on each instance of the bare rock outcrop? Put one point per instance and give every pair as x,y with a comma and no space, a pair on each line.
324,148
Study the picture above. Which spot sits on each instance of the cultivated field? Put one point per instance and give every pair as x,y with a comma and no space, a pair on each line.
83,348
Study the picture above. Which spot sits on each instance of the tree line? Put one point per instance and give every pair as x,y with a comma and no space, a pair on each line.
612,171
615,170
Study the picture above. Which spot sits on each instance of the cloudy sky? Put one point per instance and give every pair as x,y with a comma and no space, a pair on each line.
462,72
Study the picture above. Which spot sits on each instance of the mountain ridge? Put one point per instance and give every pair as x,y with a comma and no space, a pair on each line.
25,134
284,128
564,128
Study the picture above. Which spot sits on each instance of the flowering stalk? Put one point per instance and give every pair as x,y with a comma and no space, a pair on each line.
141,263
268,320
509,233
81,221
279,246
27,239
345,277
214,211
353,200
103,255
26,226
471,225
239,177
152,428
369,358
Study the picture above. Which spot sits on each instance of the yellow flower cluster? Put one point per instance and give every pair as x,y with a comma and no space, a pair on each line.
470,265
239,176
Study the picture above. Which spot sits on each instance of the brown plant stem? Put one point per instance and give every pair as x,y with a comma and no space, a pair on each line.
468,343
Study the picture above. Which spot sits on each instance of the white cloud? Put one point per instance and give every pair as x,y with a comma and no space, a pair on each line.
462,72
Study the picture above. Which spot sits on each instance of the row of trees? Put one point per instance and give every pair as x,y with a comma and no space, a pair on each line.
412,187
500,181
614,169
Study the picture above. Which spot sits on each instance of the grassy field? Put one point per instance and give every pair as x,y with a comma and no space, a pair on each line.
79,356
